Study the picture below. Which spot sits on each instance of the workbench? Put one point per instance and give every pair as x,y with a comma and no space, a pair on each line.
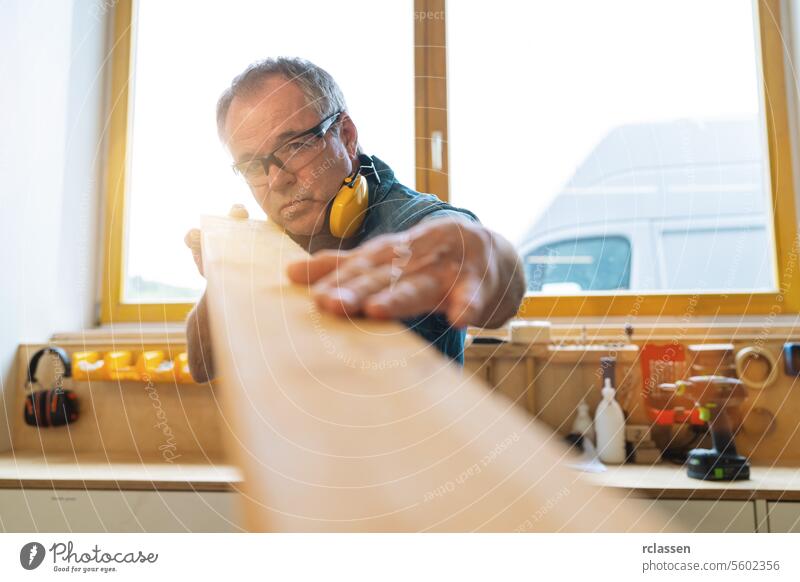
91,492
88,493
768,502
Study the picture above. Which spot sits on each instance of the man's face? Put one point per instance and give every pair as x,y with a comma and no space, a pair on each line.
259,123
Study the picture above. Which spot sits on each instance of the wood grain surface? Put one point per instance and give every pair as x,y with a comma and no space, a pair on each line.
354,425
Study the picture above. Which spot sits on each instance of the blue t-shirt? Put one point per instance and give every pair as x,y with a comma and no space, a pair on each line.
394,207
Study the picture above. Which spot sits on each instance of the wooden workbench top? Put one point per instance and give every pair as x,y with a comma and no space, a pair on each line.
670,481
95,472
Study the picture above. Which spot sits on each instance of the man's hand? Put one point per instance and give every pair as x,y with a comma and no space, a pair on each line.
444,265
192,240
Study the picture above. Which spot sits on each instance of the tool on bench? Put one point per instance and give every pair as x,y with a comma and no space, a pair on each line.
54,406
715,392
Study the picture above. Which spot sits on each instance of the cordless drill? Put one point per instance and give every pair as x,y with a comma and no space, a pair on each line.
715,397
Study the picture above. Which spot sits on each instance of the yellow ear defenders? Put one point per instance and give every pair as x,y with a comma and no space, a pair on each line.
349,206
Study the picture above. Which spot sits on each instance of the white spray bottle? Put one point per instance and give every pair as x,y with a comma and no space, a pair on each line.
582,425
609,424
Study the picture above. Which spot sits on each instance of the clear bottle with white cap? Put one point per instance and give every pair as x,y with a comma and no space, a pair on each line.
609,424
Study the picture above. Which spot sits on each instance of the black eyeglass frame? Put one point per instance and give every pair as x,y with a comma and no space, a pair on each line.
318,130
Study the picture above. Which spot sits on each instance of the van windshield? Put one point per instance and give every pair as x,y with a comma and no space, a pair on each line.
582,264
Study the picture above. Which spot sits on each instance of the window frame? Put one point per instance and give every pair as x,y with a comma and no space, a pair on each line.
429,103
430,64
786,299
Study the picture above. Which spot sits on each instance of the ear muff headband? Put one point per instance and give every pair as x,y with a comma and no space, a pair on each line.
34,363
55,406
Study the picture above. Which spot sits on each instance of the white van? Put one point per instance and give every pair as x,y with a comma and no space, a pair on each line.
662,206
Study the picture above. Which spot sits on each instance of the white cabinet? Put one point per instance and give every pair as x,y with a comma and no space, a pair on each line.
70,510
784,516
704,516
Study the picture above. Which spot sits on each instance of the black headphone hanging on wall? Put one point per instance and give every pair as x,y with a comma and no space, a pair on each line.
54,406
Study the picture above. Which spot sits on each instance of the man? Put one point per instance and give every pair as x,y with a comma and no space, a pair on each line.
414,258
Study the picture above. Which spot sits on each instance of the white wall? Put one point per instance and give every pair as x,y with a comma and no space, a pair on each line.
50,128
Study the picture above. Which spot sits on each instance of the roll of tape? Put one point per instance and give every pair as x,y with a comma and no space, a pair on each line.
750,352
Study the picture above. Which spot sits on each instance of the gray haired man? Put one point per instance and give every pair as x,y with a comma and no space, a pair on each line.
414,258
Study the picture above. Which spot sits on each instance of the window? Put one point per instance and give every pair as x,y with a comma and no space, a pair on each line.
623,146
167,166
584,264
628,150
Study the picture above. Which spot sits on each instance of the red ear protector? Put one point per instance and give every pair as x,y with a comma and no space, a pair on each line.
53,407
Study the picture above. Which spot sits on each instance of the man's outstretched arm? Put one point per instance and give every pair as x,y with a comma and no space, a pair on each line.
462,269
198,343
198,337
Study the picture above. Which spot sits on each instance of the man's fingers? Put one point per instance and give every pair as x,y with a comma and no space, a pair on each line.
397,250
349,297
314,268
355,266
397,275
192,239
411,295
465,302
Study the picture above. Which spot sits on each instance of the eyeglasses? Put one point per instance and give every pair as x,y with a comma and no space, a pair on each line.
292,156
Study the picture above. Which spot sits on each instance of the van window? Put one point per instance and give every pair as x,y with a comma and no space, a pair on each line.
582,264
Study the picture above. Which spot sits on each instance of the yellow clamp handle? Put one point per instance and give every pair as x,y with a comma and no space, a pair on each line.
87,366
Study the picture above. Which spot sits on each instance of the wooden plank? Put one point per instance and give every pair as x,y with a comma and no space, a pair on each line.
353,425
